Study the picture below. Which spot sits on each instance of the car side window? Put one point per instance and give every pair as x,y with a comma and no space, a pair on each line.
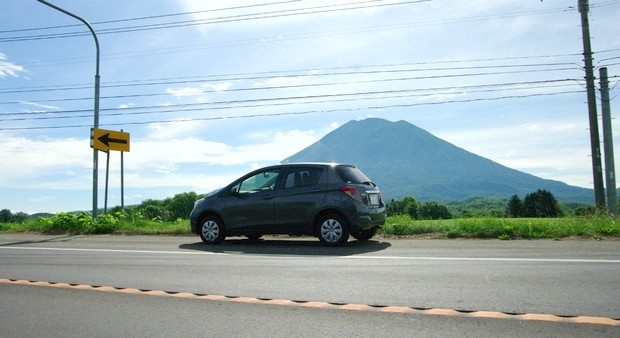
302,177
263,181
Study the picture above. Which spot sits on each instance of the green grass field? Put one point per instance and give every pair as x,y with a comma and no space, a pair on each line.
400,226
506,228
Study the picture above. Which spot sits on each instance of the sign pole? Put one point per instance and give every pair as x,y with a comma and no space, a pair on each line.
122,179
110,140
107,176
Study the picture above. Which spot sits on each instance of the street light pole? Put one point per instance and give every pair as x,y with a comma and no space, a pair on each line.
96,119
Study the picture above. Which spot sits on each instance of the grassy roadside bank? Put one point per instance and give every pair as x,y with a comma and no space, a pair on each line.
486,228
507,228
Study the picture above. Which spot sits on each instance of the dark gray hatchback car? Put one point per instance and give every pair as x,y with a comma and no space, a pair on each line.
325,200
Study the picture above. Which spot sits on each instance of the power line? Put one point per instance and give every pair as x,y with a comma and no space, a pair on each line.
318,72
260,40
310,99
280,87
296,113
227,19
97,23
604,3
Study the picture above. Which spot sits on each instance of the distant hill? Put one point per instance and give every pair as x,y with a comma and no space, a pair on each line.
405,160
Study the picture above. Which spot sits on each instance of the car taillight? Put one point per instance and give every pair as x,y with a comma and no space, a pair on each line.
352,192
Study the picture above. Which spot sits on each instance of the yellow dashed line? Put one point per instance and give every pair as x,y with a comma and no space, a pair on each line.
325,305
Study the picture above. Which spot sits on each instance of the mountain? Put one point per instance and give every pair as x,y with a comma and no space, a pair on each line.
405,160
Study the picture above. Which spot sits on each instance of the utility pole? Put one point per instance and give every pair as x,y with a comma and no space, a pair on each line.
597,170
96,120
608,145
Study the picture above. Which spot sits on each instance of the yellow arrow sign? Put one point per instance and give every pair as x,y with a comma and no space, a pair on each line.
105,140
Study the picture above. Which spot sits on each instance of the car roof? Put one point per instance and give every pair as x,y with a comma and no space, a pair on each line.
296,164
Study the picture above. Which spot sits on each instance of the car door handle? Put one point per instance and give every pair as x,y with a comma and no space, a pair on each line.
268,197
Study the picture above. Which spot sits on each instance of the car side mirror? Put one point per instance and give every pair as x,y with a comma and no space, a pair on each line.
234,191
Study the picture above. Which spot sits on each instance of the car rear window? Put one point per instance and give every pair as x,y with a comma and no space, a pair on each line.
351,175
302,177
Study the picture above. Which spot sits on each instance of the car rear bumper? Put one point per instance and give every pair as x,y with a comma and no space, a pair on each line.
368,218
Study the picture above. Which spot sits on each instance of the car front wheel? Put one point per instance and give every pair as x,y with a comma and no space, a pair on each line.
212,230
333,230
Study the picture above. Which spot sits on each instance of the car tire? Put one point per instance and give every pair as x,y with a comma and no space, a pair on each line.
212,230
365,235
333,230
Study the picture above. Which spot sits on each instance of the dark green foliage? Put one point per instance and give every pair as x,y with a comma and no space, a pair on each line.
427,210
153,209
477,207
433,210
181,205
589,210
541,204
515,207
172,208
6,216
408,206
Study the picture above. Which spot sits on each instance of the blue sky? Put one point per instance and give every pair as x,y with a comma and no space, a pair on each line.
209,90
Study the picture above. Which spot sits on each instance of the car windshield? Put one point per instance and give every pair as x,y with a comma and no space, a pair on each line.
352,175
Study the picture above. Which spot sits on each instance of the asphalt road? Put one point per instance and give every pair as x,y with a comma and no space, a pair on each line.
73,286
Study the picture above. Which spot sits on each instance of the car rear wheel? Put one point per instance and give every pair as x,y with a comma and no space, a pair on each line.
212,230
365,235
333,230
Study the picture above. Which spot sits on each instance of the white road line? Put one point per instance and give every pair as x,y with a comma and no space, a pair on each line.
111,250
492,259
412,258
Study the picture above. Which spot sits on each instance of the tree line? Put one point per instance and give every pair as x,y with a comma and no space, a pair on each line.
6,216
410,206
170,209
167,210
540,204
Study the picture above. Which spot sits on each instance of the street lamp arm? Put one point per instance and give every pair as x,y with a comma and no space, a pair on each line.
92,31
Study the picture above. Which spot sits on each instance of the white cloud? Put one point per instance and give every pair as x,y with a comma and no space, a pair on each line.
67,163
218,87
33,162
125,105
195,91
172,130
285,80
183,92
159,153
8,68
44,106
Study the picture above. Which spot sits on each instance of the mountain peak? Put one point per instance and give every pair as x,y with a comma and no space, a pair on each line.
405,160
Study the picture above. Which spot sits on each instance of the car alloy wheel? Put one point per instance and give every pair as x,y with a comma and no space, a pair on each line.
212,230
333,230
